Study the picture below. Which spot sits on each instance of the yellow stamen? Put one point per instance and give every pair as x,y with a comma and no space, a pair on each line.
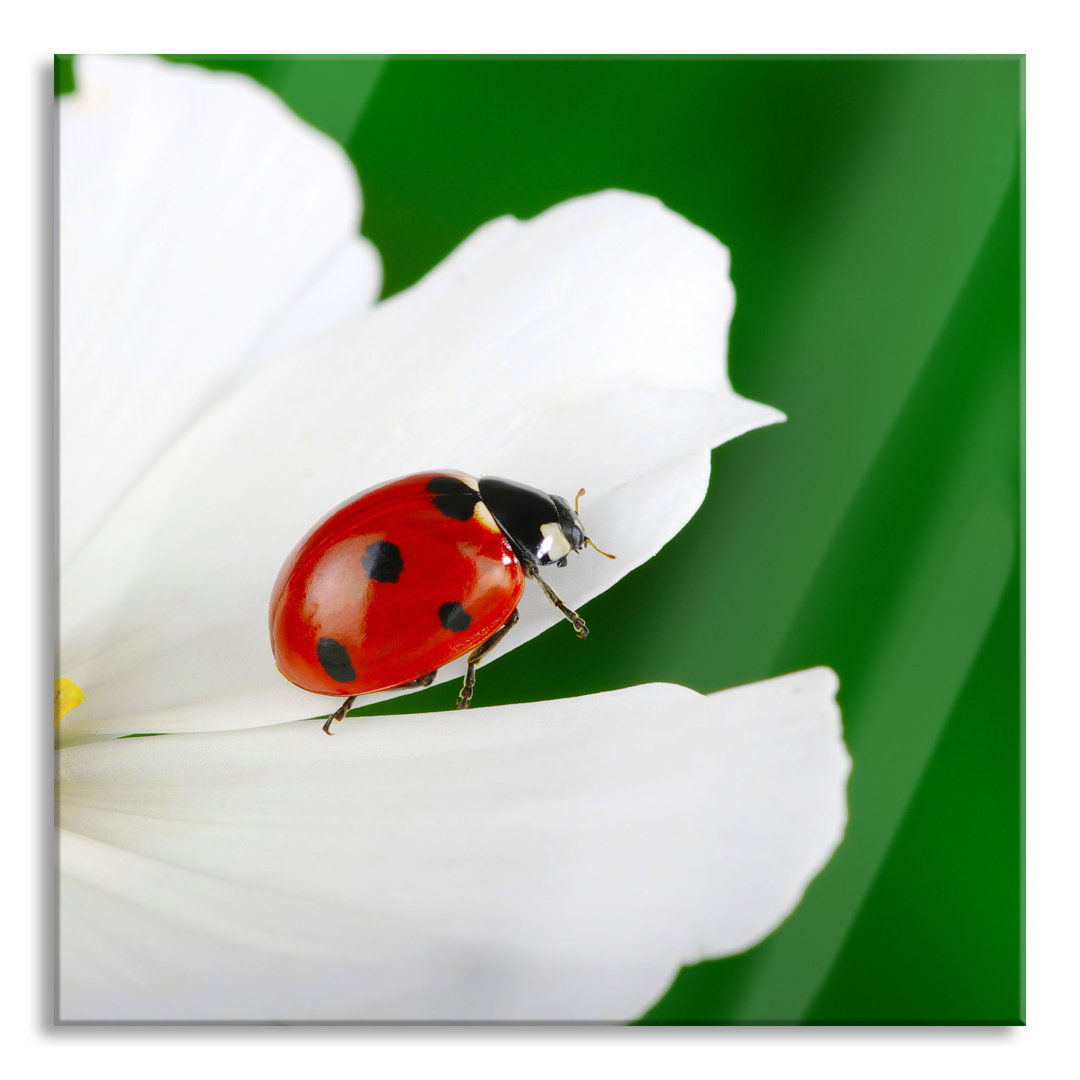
66,696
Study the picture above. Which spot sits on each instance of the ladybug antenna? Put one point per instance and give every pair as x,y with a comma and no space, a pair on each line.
587,540
595,548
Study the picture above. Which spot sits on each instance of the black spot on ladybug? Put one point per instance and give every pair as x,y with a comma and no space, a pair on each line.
335,661
454,617
453,497
382,561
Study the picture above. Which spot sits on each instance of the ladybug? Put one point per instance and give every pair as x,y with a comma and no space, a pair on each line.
409,575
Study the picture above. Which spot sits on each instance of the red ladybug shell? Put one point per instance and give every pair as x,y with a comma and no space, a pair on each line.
389,587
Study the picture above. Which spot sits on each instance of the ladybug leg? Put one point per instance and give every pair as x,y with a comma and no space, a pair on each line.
346,705
424,680
481,650
578,622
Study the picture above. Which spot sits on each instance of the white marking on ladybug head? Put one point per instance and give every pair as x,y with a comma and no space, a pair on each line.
554,545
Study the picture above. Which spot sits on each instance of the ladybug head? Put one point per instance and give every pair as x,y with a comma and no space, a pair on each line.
569,524
541,527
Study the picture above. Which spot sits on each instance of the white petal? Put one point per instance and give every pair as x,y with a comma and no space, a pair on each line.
550,861
585,348
203,227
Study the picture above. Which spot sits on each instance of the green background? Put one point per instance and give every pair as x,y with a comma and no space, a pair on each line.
873,208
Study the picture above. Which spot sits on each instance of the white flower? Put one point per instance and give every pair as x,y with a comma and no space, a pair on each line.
225,380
